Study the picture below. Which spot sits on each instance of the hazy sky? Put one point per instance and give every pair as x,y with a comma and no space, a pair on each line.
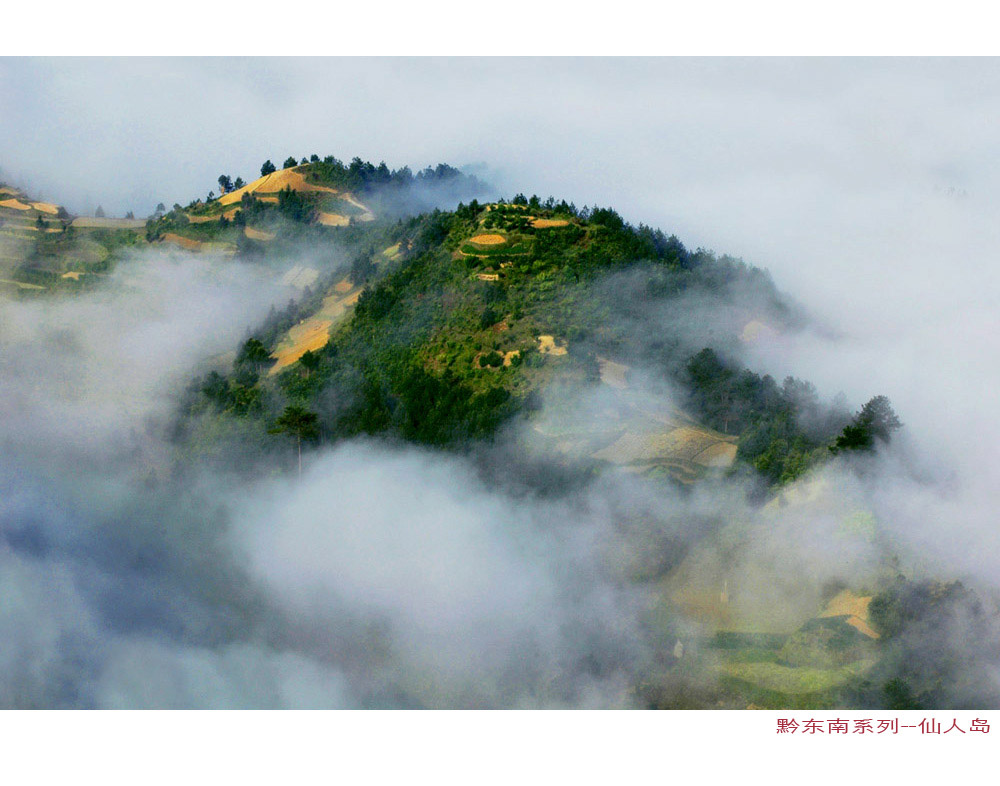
653,135
768,159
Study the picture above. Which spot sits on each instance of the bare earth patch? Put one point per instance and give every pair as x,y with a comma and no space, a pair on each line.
15,204
547,346
488,276
343,286
256,234
75,275
333,220
45,207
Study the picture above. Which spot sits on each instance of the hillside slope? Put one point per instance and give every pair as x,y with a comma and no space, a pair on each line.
467,319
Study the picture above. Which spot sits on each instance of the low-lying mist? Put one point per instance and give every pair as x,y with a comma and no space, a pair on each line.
384,576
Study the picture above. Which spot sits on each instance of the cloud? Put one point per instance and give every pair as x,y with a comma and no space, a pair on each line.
867,187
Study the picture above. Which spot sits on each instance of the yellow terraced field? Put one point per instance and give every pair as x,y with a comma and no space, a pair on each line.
546,223
684,443
309,335
184,242
270,184
312,334
720,454
488,240
855,608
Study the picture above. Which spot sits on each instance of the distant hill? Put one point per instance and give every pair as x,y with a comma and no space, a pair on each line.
45,249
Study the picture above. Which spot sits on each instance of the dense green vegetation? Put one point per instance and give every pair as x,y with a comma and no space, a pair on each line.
442,346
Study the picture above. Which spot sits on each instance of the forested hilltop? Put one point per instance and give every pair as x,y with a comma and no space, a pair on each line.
442,328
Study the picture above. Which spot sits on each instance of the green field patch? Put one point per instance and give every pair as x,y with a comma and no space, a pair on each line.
794,679
732,640
748,694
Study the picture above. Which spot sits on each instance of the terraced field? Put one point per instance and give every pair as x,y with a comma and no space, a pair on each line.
313,333
634,430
